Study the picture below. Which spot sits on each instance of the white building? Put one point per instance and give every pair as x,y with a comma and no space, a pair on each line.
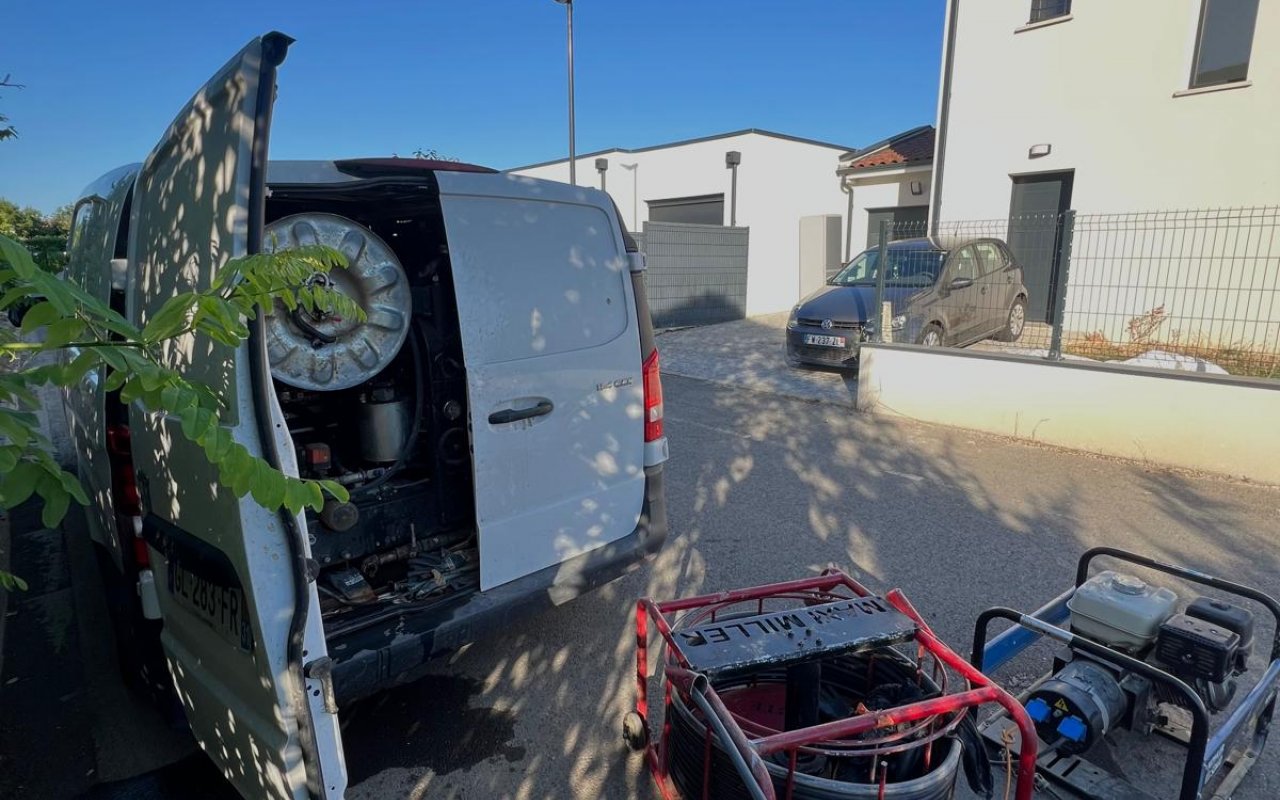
889,180
1107,106
1114,108
780,179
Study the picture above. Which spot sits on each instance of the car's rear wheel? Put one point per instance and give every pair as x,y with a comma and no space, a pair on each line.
1015,323
931,336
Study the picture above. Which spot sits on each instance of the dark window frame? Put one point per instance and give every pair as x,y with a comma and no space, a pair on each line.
1044,10
1196,81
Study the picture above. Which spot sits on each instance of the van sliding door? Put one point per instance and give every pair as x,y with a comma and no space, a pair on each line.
552,350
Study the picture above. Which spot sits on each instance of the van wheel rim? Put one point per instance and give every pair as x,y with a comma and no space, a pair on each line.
1017,318
932,339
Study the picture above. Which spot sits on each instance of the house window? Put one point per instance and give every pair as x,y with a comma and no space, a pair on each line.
1224,42
1048,9
707,209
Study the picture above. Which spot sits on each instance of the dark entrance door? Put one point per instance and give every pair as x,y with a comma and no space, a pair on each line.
1035,225
905,222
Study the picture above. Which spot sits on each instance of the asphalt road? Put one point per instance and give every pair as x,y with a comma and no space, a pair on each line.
764,488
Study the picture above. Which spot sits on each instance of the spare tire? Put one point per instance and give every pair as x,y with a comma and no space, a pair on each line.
326,352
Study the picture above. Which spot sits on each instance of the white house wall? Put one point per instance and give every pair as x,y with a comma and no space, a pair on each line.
779,181
1100,89
890,190
1107,90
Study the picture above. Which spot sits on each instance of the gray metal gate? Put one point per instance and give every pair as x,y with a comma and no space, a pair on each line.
697,273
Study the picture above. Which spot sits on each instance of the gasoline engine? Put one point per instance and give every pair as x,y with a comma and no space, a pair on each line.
1206,645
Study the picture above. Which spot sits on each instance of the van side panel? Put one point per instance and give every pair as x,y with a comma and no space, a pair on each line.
89,253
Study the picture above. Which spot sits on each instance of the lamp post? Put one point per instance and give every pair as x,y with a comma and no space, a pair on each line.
573,172
731,161
602,166
634,169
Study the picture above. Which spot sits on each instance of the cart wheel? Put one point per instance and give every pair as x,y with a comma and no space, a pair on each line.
634,732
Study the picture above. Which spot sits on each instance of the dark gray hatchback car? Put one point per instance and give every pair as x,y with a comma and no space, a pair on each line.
940,294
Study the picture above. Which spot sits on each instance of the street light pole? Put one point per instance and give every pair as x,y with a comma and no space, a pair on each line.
573,171
635,195
731,161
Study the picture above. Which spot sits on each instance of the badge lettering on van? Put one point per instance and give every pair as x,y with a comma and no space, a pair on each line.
618,384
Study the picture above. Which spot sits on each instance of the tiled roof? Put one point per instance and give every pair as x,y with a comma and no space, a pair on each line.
912,147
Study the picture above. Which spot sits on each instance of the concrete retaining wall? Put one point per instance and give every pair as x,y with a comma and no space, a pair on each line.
1225,425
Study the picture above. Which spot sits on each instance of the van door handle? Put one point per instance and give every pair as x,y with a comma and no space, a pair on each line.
509,415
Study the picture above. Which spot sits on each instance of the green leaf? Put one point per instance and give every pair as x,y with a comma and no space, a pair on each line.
19,427
72,486
17,484
63,331
113,357
56,501
78,367
315,496
16,386
41,313
171,318
115,379
9,582
267,486
336,490
196,422
15,294
16,256
9,457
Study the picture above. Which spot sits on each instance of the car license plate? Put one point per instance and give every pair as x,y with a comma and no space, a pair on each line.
221,607
824,341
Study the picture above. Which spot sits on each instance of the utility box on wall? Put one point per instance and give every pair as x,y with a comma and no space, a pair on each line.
819,250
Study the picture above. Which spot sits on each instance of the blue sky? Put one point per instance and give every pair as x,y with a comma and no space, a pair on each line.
480,80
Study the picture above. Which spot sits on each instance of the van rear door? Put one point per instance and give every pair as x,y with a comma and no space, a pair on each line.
239,612
552,349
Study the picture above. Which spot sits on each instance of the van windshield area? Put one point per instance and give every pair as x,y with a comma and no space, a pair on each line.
908,266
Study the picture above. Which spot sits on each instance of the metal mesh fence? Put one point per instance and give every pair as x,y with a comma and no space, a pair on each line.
1199,284
1195,290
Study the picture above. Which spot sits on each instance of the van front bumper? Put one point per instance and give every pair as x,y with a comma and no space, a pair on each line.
383,656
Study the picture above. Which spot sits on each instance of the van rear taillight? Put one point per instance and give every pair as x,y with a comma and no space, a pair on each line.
652,399
124,483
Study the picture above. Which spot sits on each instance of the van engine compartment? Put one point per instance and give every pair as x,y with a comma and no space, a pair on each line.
378,405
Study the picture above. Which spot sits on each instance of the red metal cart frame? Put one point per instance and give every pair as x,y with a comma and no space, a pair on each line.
747,753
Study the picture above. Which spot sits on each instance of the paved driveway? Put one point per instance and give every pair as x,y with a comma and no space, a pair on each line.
751,354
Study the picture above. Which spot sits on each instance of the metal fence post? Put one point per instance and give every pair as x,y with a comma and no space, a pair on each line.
1060,280
877,315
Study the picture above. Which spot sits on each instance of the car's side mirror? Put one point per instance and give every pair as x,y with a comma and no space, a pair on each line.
960,283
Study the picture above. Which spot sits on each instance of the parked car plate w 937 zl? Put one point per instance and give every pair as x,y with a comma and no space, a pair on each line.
824,341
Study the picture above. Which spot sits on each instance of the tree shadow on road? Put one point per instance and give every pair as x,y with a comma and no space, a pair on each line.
763,488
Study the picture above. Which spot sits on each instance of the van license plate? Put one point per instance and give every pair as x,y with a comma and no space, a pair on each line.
824,341
222,608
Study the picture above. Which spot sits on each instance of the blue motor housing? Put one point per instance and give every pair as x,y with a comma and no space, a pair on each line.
1078,706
